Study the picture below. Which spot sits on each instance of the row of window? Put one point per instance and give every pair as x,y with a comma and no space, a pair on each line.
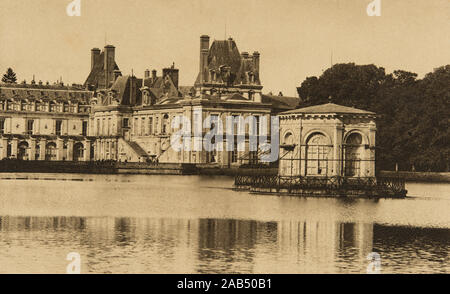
30,127
145,126
44,107
49,93
50,151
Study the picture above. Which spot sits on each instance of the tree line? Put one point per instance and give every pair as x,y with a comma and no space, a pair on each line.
413,123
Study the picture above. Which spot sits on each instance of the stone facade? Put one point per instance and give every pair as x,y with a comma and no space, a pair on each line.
124,118
327,140
43,122
132,119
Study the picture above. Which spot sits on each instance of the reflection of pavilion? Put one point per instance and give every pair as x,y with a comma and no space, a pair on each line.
286,246
199,245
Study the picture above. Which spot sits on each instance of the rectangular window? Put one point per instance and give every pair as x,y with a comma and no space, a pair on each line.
2,125
103,126
30,124
109,126
143,126
85,127
235,125
58,127
258,127
234,153
126,122
98,128
136,126
150,125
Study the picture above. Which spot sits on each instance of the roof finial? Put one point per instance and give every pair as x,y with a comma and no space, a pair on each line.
330,98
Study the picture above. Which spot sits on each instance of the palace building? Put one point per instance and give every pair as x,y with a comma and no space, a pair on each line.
44,122
125,118
132,117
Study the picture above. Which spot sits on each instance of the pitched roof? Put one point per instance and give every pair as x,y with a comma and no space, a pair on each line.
225,53
122,87
328,108
45,93
281,102
97,75
160,86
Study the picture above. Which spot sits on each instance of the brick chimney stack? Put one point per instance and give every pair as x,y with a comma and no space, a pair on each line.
95,55
204,51
256,61
109,62
147,74
154,74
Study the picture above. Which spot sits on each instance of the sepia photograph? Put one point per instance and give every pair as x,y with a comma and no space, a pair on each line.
238,137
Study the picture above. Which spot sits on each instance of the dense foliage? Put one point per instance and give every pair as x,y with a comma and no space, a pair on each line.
414,113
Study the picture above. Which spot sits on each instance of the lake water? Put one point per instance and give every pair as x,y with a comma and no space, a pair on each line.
196,224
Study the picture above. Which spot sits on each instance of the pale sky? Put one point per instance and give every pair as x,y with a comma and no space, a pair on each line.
295,37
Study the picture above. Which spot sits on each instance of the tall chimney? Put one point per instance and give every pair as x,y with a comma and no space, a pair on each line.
147,73
95,55
154,74
256,61
204,51
109,64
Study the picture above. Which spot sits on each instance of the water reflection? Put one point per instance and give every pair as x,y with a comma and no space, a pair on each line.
158,245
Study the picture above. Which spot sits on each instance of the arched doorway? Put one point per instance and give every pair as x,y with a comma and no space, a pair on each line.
353,155
22,149
78,152
50,151
318,153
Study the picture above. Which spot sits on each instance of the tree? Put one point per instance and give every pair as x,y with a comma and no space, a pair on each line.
413,114
9,76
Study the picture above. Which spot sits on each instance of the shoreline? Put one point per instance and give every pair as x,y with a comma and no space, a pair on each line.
180,169
429,177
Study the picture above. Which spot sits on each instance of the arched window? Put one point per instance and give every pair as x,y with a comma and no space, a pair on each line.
288,139
78,152
287,166
22,153
318,153
50,151
165,124
37,153
353,155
